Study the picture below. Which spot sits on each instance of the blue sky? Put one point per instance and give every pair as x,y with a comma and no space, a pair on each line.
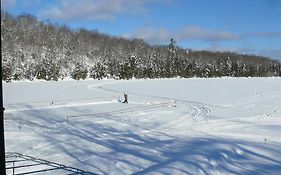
244,26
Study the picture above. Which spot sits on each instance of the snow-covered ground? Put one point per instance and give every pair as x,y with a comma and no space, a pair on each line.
169,126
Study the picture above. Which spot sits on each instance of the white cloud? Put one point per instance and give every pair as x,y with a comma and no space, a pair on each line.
213,38
8,3
261,34
71,10
198,33
152,34
188,33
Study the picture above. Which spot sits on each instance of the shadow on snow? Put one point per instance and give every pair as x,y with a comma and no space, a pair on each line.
102,147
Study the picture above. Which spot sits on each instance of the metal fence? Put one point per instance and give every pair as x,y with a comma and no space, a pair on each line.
19,164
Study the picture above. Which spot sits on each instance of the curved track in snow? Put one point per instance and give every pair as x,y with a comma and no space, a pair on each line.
149,134
192,111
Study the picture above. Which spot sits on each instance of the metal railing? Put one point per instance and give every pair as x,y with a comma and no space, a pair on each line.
19,164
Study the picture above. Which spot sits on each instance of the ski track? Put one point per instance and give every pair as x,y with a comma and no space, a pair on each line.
120,111
200,110
198,113
193,116
34,106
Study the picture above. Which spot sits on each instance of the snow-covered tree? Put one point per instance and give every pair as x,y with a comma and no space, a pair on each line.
79,71
32,48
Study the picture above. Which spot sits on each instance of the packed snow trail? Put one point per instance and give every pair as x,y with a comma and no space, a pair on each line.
201,110
120,111
219,126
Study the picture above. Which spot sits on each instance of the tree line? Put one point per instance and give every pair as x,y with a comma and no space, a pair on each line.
44,50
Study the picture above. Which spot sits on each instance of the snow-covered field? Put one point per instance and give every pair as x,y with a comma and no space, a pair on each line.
170,126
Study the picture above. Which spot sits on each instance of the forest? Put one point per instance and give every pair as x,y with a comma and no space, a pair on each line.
33,49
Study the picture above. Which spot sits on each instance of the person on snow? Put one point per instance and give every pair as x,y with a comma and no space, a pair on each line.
126,98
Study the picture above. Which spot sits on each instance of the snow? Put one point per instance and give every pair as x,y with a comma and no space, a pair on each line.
218,125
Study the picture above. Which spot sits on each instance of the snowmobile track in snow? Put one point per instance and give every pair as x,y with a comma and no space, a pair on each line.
202,109
119,111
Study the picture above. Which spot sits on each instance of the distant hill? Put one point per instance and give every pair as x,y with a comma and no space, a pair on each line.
45,50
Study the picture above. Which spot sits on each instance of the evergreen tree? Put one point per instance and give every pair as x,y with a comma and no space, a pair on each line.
32,48
47,70
7,71
227,67
79,71
98,71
